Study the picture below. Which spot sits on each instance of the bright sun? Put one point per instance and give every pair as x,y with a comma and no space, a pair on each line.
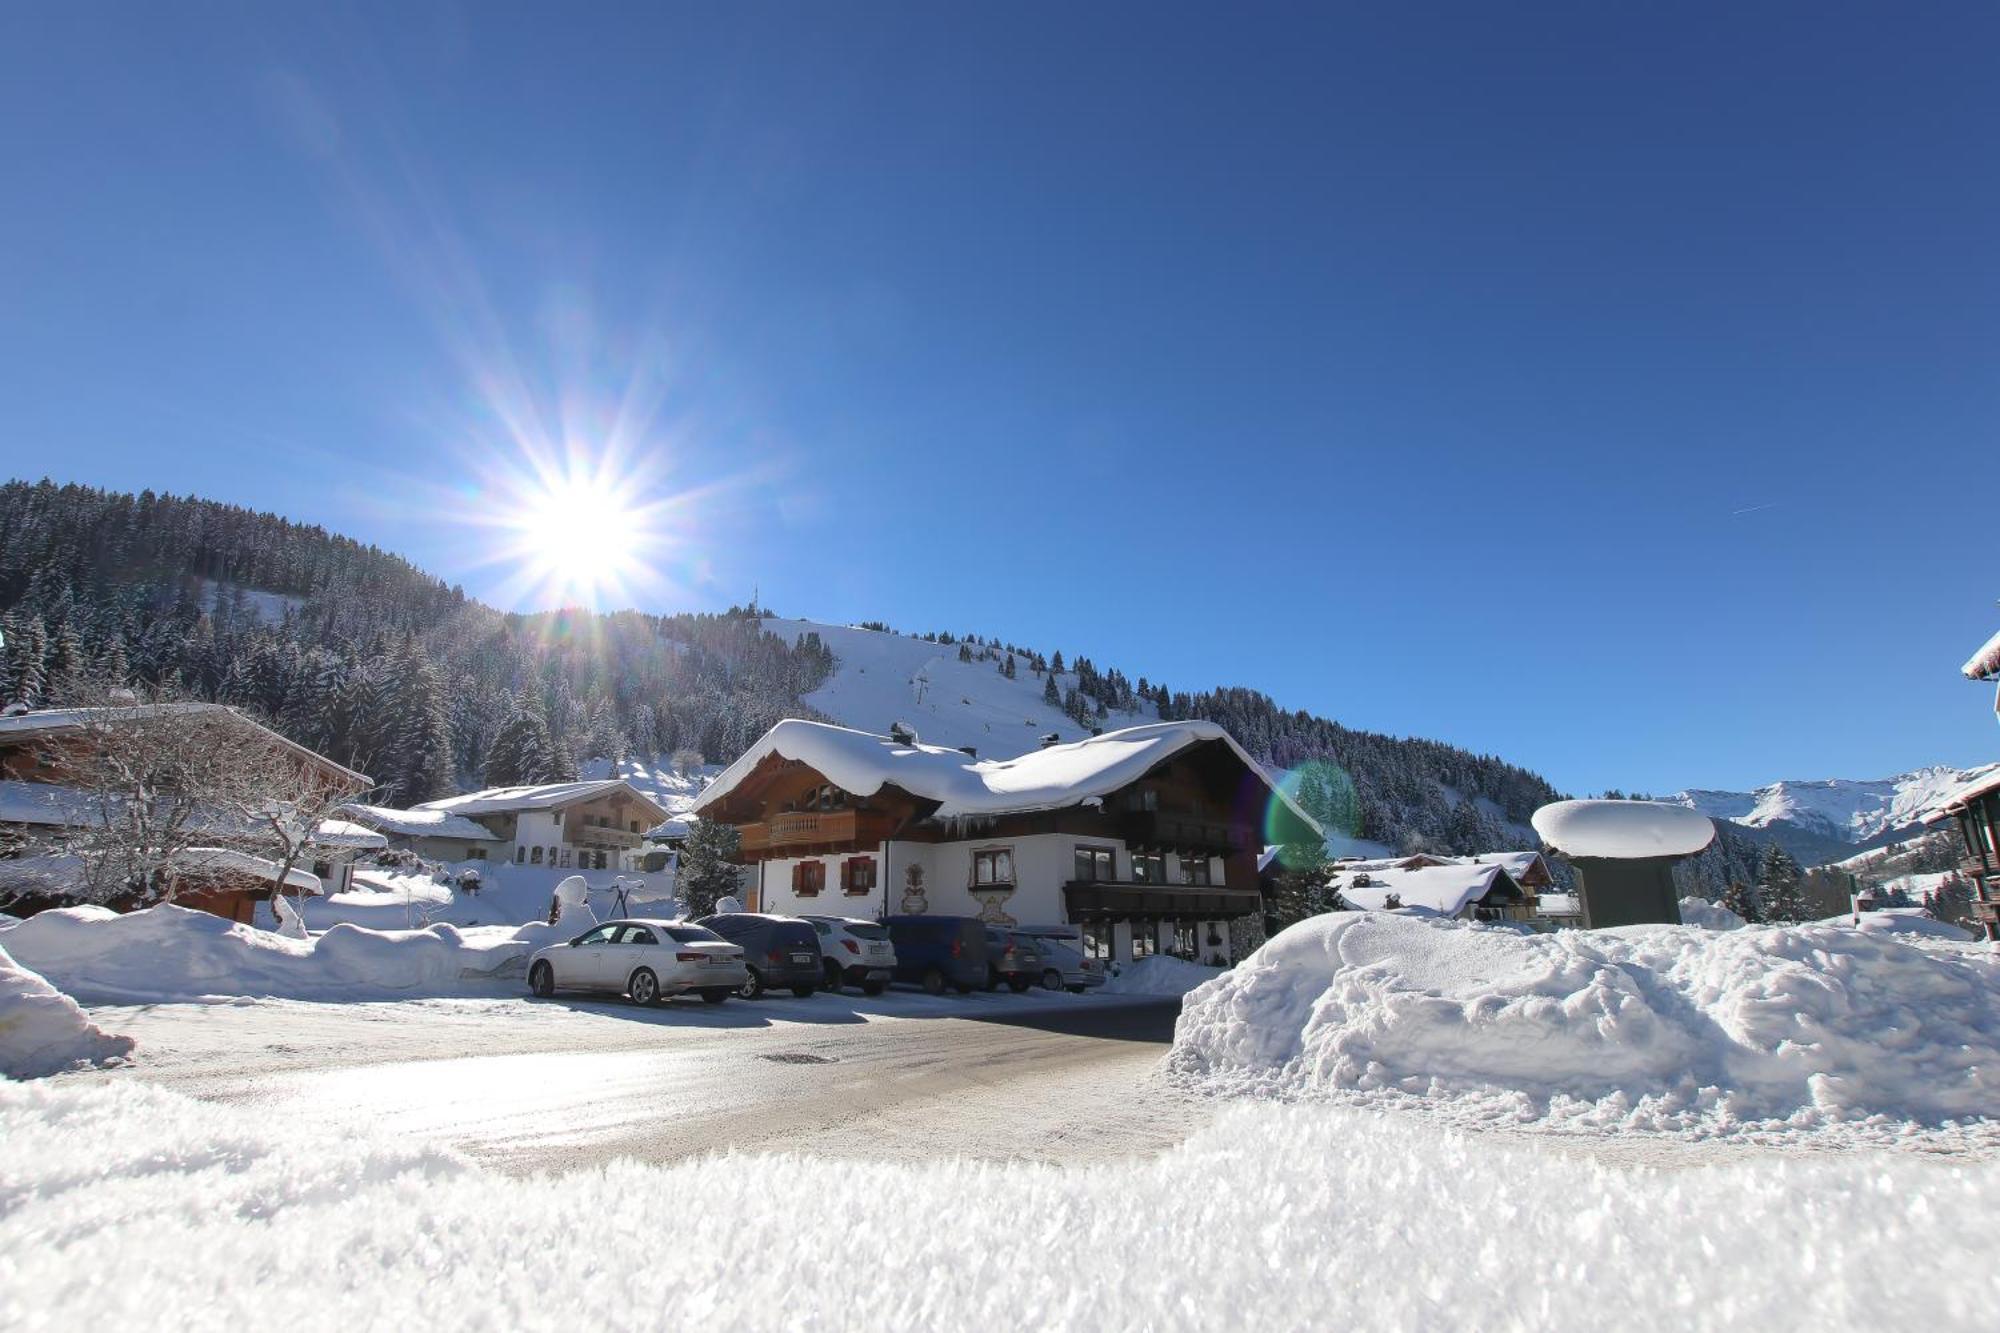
578,534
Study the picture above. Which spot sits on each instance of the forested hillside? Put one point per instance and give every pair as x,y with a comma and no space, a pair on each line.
359,654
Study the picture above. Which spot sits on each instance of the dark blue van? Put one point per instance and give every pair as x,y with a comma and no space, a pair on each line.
939,951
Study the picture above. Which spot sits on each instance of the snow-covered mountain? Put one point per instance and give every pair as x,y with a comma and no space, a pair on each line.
881,678
1854,812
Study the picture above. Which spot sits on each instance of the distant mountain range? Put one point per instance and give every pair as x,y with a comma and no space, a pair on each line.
1828,819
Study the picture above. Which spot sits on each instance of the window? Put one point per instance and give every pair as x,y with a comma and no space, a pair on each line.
602,935
475,853
1149,867
635,825
597,861
638,935
1194,870
993,867
1096,941
857,875
808,878
565,858
520,855
1095,865
1145,939
1183,946
536,859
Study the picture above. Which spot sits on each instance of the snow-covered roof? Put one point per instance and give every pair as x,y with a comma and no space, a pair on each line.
196,860
547,796
341,833
1623,830
1964,796
1557,904
1983,664
1447,889
27,726
1061,775
44,803
419,823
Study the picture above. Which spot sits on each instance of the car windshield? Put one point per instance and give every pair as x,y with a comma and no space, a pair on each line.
693,935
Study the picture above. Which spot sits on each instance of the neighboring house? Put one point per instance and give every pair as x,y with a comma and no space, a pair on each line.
1462,889
431,834
40,746
566,825
1975,809
1147,838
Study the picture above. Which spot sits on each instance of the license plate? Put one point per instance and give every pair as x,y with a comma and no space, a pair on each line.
802,958
713,961
878,950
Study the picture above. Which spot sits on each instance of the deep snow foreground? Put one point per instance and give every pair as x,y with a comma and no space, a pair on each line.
1276,1218
1664,1028
174,953
42,1030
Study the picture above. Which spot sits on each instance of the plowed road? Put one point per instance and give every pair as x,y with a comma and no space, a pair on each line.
553,1085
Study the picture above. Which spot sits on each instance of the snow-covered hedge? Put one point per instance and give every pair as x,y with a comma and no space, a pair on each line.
1654,1027
42,1030
173,953
133,1206
1159,975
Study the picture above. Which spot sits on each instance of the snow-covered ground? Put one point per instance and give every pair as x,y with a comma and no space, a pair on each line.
134,1206
1711,916
42,1030
1848,1034
509,895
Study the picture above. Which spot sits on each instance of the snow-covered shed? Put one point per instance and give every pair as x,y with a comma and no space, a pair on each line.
1450,889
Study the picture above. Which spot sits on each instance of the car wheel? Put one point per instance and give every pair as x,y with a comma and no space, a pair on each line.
1018,985
644,987
873,987
804,992
1052,980
542,980
933,982
753,985
714,995
833,977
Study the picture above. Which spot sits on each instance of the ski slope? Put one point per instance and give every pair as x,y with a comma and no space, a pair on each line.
882,678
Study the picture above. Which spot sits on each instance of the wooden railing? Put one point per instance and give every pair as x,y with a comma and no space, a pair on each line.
800,829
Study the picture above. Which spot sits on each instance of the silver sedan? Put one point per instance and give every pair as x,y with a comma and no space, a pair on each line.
647,959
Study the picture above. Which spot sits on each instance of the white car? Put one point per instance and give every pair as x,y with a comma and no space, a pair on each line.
1064,964
646,959
857,952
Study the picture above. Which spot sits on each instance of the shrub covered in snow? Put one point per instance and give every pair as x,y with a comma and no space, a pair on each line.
1161,974
130,1205
1710,916
172,953
1648,1027
42,1030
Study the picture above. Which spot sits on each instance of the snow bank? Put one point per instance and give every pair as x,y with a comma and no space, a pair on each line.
1266,1220
1900,921
42,1030
1667,1028
1159,975
1710,916
172,953
1623,830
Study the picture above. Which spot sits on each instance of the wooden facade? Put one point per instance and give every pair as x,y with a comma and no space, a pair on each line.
1976,814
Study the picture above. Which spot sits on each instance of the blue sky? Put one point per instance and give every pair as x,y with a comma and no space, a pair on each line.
1609,387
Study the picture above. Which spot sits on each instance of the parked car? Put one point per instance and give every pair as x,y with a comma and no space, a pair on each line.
856,951
939,951
777,951
1064,964
643,958
1011,960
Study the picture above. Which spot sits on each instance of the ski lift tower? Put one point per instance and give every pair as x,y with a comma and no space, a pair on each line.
1624,853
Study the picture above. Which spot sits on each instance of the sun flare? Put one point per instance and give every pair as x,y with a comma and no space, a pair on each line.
583,531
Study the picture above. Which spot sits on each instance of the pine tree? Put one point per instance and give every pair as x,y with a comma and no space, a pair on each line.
1050,695
706,872
1779,888
1007,670
1738,899
523,753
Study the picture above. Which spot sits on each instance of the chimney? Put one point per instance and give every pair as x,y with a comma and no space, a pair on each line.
902,733
1052,738
969,751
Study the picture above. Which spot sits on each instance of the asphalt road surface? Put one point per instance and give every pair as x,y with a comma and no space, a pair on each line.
532,1086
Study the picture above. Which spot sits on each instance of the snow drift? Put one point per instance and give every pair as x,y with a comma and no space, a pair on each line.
1159,975
130,1204
42,1030
173,953
1670,1028
1711,916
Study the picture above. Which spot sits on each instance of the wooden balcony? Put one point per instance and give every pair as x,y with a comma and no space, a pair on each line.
598,835
798,830
1164,831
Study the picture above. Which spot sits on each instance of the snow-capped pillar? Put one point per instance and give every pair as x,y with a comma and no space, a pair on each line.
1624,854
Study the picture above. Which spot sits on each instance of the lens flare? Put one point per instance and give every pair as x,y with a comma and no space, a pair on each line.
1323,790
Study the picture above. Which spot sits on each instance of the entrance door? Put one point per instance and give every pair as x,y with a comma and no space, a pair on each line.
592,960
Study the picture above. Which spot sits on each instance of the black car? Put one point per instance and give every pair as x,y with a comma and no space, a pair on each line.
778,950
